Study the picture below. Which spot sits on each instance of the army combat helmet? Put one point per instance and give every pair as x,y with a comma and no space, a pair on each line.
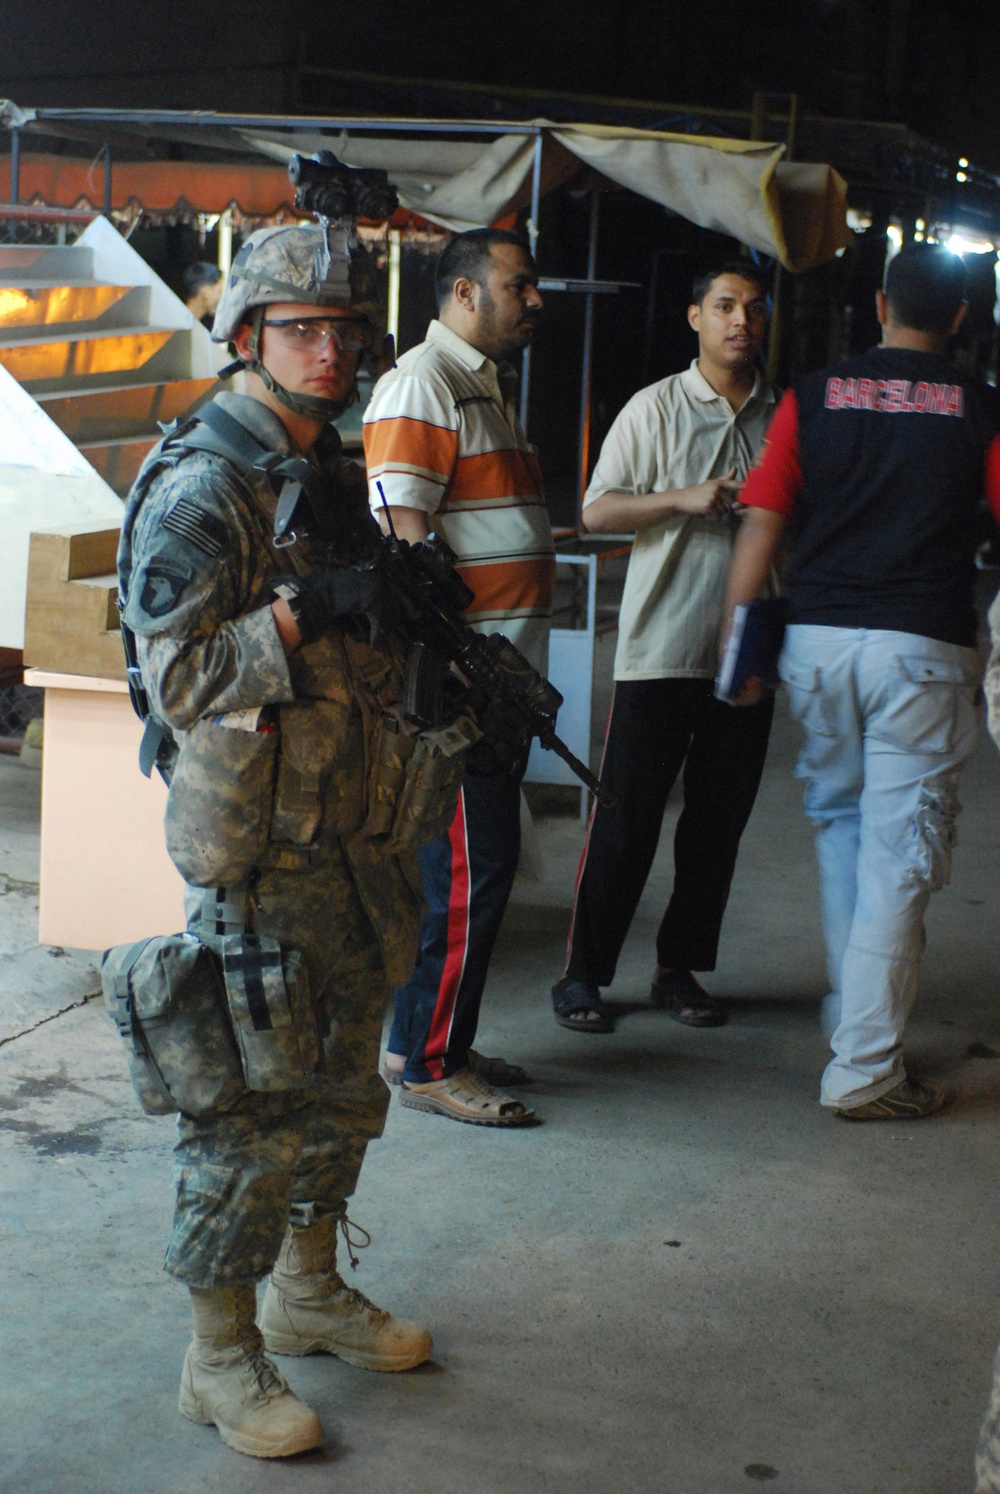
320,264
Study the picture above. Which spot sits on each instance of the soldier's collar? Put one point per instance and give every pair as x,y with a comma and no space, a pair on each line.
258,419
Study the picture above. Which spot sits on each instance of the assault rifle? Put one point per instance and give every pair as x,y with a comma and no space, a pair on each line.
504,687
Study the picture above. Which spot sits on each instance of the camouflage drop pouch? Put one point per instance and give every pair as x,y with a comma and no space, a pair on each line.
271,1009
165,995
219,805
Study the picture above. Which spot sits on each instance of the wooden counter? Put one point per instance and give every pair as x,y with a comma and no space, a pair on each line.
105,875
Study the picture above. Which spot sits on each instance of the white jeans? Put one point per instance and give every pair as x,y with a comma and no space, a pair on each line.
889,719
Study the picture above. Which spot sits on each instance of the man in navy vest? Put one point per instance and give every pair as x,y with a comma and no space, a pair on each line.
881,463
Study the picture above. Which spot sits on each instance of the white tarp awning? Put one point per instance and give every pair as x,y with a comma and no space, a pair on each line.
468,173
795,211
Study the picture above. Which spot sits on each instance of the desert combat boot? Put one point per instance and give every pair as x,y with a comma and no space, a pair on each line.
229,1381
308,1309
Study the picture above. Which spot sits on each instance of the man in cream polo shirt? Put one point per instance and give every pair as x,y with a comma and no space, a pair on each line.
444,445
671,470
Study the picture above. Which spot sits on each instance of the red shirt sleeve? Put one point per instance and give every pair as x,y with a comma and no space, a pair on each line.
775,480
991,477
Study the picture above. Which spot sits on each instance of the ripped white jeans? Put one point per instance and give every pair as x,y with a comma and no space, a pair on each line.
889,720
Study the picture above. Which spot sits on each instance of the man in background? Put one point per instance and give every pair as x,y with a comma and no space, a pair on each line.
202,291
444,446
881,463
670,469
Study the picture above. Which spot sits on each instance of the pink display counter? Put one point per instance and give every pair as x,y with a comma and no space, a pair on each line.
105,876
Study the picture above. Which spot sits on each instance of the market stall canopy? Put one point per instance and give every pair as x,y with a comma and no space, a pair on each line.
794,211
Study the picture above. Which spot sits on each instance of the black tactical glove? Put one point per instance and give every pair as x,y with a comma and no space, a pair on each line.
325,597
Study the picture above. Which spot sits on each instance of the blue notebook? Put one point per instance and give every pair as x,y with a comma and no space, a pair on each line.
753,646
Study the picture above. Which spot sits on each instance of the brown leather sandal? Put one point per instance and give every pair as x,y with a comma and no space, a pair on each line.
466,1097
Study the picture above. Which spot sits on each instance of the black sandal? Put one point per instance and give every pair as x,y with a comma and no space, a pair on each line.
571,997
687,1001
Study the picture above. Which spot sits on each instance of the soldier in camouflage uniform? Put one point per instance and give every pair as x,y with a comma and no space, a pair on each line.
988,1451
253,657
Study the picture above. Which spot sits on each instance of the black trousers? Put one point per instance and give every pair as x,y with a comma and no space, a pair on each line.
654,728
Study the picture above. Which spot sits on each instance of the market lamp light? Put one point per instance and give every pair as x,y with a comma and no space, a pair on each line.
961,243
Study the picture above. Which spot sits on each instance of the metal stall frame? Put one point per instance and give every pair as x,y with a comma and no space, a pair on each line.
61,123
574,681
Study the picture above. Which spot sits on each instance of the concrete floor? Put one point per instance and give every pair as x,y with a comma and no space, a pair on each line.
690,1280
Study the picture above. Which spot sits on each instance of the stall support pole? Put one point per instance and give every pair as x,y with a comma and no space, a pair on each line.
106,153
586,378
395,276
536,197
225,239
15,165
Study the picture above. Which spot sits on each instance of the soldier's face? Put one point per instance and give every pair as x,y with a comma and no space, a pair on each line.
327,371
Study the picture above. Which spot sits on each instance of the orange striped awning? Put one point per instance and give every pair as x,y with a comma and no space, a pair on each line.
173,189
159,186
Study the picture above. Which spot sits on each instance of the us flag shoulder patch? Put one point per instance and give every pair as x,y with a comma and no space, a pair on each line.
206,532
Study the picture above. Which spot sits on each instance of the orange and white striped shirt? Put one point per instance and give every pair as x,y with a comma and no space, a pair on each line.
442,435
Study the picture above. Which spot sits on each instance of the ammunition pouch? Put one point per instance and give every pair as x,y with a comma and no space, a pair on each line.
415,778
271,1011
319,786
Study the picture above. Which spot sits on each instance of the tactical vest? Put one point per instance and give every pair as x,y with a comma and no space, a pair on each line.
277,787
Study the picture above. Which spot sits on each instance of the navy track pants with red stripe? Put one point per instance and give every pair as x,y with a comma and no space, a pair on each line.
467,875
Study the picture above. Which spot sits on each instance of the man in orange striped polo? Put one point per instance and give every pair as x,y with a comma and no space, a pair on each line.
443,441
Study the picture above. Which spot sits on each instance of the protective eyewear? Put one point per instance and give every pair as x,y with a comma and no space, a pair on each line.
313,333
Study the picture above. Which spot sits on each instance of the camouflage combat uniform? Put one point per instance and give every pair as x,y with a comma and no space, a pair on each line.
988,1451
991,682
202,566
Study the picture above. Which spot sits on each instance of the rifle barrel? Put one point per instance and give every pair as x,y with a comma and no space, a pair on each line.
555,744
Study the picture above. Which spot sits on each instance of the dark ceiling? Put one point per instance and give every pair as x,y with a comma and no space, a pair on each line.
928,64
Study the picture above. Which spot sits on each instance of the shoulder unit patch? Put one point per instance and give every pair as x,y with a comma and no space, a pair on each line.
162,585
